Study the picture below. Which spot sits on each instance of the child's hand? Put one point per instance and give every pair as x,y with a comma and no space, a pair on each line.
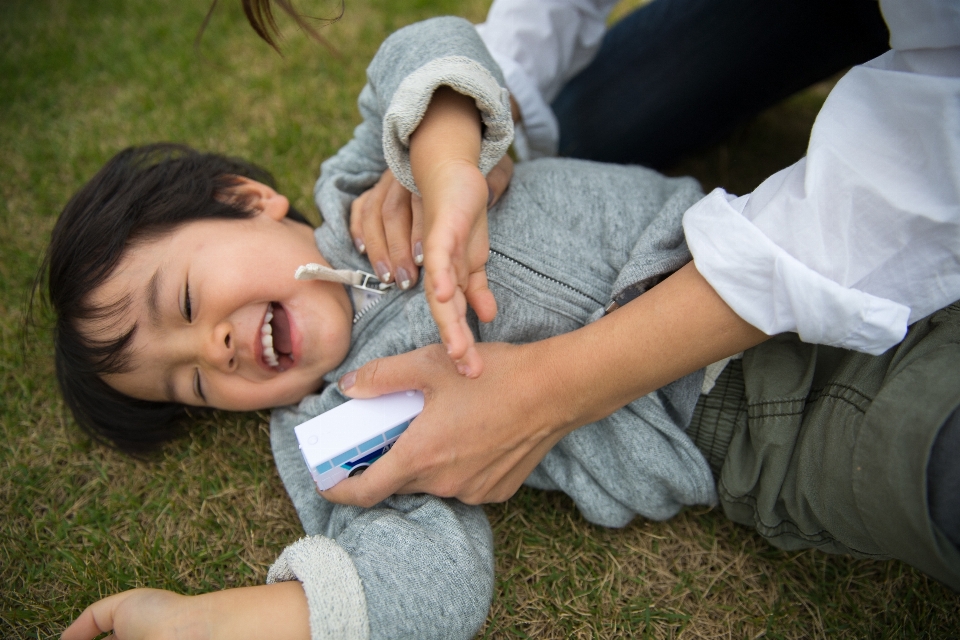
137,614
455,221
266,611
444,158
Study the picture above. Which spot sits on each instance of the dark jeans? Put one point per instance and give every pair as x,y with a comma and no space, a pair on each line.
677,75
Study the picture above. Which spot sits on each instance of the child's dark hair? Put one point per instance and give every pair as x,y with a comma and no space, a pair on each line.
141,194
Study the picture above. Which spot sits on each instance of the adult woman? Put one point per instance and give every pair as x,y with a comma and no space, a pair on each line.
846,248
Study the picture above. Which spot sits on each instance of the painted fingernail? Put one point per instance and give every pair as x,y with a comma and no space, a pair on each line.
403,278
358,243
382,272
490,196
347,381
418,253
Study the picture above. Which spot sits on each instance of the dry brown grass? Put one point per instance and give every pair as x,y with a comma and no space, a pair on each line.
695,576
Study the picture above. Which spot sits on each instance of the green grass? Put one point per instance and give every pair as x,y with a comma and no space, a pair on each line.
79,81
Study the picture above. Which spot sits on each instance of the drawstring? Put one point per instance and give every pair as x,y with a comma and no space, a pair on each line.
353,278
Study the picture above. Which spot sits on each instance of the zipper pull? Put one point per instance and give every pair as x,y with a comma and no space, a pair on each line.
354,278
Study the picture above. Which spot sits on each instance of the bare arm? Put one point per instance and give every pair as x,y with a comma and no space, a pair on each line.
267,611
477,440
444,157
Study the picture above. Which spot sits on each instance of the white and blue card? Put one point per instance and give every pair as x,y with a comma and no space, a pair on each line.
347,439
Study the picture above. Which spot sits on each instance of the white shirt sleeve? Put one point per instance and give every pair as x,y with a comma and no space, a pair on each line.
540,45
862,236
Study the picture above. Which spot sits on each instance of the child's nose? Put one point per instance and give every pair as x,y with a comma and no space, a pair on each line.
221,351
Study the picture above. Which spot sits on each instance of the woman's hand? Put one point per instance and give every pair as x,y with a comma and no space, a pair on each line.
476,439
386,223
266,611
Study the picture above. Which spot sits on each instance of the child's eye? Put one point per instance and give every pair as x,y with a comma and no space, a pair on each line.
197,388
187,305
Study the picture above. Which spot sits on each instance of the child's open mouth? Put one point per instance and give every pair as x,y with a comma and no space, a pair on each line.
275,338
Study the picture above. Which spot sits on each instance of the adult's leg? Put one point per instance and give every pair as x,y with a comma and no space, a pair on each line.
943,479
676,75
833,449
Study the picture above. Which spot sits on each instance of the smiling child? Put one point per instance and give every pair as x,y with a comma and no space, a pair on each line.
209,329
172,275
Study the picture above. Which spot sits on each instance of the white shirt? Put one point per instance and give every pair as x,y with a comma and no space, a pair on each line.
845,247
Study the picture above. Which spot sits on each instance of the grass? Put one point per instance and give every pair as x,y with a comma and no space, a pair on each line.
79,81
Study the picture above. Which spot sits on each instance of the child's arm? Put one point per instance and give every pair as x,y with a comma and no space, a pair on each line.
444,157
266,611
411,66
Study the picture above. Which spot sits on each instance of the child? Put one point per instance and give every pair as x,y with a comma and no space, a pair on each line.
172,274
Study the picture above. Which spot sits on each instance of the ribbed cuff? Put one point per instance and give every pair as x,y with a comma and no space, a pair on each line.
412,98
338,606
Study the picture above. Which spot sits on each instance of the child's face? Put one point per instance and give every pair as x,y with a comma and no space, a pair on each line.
206,348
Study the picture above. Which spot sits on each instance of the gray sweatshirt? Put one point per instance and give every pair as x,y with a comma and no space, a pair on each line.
565,238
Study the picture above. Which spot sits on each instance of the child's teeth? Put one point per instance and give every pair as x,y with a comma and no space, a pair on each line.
266,339
268,353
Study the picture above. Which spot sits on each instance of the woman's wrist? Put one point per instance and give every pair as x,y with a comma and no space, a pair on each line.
674,329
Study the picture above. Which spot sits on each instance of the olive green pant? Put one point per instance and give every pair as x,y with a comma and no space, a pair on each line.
815,446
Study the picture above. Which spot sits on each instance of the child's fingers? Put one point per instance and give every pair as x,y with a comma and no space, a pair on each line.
95,619
479,296
471,364
451,319
440,273
416,229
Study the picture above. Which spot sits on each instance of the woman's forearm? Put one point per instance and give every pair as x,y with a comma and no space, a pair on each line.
677,327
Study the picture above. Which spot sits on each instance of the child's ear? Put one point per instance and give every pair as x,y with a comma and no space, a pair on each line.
260,197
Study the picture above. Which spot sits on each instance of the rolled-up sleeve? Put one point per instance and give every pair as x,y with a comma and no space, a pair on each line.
861,237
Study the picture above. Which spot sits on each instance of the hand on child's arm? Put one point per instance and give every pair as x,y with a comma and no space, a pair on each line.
386,223
478,440
267,611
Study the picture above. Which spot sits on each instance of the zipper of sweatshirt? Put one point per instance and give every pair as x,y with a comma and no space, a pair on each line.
544,276
366,309
355,278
